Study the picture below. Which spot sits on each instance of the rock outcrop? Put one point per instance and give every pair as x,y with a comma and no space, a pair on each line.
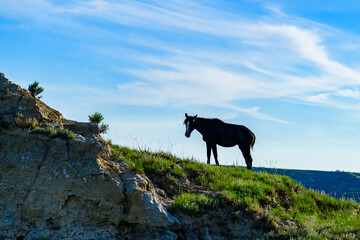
68,188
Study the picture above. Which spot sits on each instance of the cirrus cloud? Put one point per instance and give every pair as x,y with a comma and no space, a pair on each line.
194,52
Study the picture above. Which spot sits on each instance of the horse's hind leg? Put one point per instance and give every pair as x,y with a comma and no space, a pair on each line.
247,156
208,148
249,162
214,149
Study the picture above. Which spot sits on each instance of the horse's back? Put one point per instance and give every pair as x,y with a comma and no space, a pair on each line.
229,128
238,133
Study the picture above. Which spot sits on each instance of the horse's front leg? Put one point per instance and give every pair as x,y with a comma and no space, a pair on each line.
214,149
208,148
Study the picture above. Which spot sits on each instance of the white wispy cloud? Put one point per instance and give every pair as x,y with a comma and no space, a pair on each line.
349,93
199,54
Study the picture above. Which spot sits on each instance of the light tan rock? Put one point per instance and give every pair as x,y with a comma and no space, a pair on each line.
145,208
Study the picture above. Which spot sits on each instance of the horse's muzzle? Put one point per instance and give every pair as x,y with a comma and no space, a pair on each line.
187,135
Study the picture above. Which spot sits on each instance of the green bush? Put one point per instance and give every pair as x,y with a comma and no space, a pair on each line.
96,118
35,89
103,128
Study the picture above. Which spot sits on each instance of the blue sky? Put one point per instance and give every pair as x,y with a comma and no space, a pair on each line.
289,70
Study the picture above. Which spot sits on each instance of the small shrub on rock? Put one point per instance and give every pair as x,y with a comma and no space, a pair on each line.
97,118
26,122
31,122
103,128
54,132
19,115
35,89
64,133
45,131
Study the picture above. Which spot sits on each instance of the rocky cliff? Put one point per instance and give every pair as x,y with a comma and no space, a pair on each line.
69,188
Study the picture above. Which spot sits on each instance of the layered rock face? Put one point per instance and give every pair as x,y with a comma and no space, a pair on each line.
68,188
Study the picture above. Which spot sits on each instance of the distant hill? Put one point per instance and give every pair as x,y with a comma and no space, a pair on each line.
336,184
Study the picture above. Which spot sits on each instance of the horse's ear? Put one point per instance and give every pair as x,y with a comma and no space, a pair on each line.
186,115
195,116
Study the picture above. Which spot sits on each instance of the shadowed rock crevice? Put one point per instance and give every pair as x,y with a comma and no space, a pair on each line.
39,167
36,176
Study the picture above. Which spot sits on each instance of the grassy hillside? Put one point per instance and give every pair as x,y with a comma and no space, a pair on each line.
282,207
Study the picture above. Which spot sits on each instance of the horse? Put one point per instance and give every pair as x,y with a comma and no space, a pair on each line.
216,132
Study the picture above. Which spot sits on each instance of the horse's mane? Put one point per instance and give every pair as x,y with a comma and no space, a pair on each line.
209,119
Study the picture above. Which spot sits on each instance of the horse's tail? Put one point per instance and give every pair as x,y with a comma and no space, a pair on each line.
253,140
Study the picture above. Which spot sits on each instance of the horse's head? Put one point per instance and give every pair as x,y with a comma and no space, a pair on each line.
190,124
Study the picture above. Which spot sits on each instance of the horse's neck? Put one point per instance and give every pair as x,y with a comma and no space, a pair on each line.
201,125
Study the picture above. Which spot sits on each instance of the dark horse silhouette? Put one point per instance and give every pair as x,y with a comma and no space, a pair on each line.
216,132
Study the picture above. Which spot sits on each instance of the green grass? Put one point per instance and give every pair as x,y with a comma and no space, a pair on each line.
54,132
194,203
63,133
274,198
